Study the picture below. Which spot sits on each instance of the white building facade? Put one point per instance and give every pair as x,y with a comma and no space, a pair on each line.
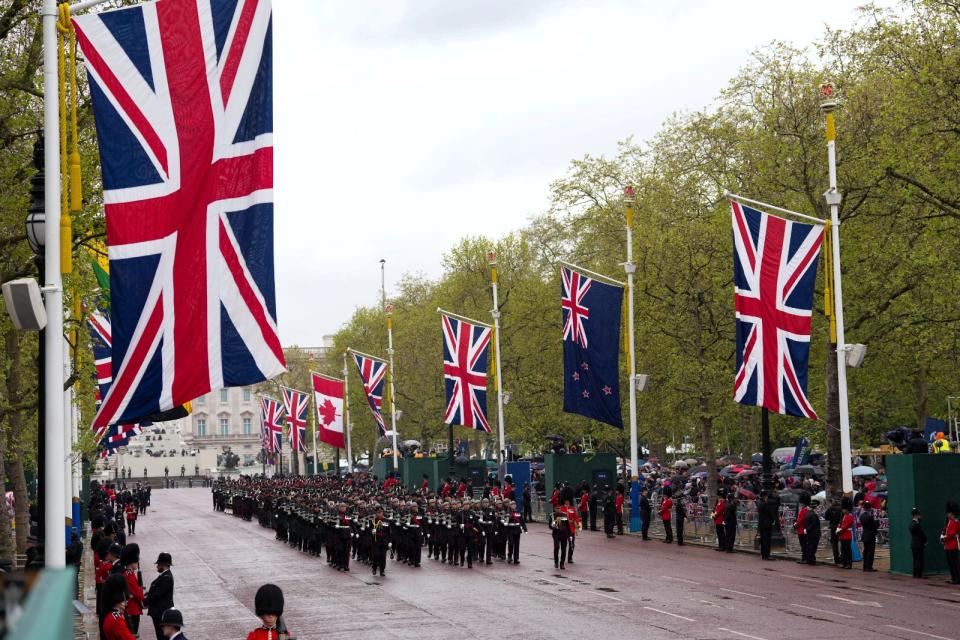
227,418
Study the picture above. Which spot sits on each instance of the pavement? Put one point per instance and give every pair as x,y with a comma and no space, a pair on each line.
618,588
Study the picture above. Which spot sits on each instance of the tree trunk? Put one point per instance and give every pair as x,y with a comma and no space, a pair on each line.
709,454
832,423
18,479
295,463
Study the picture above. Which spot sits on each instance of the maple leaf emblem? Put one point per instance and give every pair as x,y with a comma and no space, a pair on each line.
328,412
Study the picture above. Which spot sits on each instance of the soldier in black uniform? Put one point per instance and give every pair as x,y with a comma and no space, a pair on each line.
414,536
918,541
515,525
466,545
766,516
680,509
869,526
485,531
833,515
380,538
730,521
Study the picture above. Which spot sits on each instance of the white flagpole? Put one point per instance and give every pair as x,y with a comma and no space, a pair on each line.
313,424
495,312
630,268
53,462
346,414
388,309
833,198
393,403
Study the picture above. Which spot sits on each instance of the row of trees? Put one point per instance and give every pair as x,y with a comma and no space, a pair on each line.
898,143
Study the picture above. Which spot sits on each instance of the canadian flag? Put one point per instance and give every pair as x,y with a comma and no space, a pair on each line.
328,394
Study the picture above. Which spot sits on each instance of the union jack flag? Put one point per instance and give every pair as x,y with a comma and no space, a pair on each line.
115,436
465,372
296,404
775,269
372,375
181,93
272,420
575,287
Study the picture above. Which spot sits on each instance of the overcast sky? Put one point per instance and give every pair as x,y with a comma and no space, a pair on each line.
403,125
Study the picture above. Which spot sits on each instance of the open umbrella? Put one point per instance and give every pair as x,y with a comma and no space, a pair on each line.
864,471
746,493
756,458
699,474
746,472
681,464
806,470
691,461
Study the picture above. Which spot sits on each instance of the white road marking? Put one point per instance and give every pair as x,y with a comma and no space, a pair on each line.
712,604
743,593
742,635
830,613
922,633
859,603
884,593
673,615
680,579
808,579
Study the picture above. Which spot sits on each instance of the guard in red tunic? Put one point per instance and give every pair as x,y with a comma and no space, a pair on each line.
798,526
845,534
666,514
268,604
130,559
131,512
717,516
114,601
574,524
951,541
618,505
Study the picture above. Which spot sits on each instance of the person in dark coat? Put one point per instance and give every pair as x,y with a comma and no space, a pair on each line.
766,516
172,624
868,523
811,524
159,596
833,515
730,521
609,512
918,542
592,505
680,507
646,510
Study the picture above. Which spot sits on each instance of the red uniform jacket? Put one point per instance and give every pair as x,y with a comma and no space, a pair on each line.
950,535
666,510
719,510
445,490
263,634
618,503
555,497
584,502
798,524
425,487
573,518
131,512
135,603
103,570
462,489
508,492
846,527
115,627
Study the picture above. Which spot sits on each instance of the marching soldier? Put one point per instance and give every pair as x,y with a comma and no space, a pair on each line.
515,526
381,535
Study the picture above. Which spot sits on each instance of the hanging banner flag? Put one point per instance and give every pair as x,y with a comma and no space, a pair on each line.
465,371
372,375
111,438
328,396
297,405
774,271
271,416
591,345
182,99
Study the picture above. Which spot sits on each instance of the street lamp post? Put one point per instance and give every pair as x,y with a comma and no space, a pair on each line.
630,268
36,239
501,456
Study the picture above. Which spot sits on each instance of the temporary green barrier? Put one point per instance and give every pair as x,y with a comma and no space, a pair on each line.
48,612
596,468
925,481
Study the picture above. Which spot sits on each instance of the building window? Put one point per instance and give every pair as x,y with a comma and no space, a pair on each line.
202,399
224,426
223,396
247,427
201,427
246,394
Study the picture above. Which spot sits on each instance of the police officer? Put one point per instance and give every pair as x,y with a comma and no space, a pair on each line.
869,526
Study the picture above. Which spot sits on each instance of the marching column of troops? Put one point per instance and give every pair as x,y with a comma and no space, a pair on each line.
357,518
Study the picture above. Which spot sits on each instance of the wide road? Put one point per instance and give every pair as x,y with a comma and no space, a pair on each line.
623,588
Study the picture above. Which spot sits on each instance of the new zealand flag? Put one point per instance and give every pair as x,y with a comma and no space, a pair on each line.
591,347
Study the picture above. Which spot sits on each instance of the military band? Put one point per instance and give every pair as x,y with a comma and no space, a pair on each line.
355,518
